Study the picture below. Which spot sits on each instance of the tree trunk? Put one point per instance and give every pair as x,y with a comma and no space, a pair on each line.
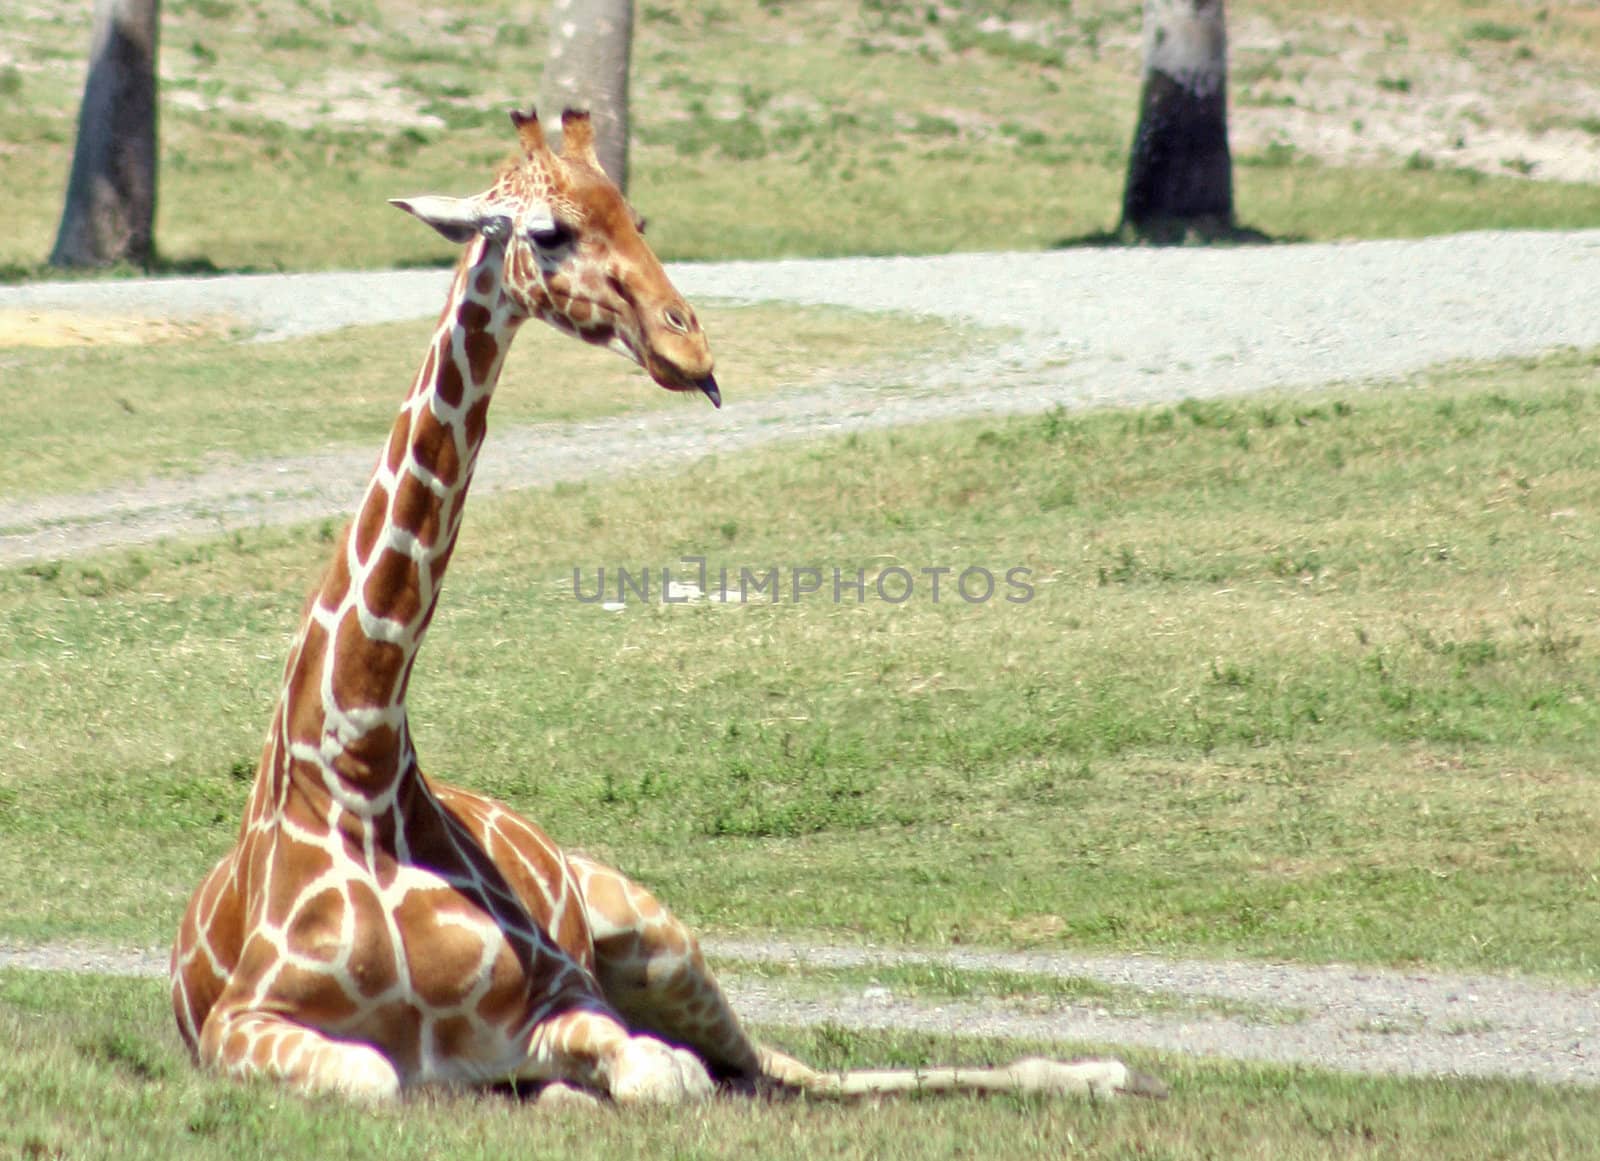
1180,174
587,68
110,208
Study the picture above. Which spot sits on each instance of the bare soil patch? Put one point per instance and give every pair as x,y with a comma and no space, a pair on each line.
70,328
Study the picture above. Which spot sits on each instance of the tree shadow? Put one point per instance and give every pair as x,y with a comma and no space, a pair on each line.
160,267
191,267
1175,233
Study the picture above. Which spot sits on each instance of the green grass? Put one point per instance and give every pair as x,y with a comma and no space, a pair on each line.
1308,677
119,413
92,1069
824,128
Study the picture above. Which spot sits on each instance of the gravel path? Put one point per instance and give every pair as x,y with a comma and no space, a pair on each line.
1345,1018
1088,327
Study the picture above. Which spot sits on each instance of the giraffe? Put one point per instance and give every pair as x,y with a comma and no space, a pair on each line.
373,930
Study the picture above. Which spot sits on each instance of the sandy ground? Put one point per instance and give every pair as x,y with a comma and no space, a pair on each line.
69,328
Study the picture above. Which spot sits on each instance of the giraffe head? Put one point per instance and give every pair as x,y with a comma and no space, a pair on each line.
576,257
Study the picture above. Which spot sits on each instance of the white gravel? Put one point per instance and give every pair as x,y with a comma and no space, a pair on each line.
1084,327
1336,1016
1090,327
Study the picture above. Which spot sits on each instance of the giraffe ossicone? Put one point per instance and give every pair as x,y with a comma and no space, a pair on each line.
372,930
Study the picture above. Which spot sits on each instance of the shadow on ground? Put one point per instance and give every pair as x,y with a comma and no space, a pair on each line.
1175,234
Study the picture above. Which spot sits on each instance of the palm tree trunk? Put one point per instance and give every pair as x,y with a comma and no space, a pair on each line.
587,68
109,214
1180,173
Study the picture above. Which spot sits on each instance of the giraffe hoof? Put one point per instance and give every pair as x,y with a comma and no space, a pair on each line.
1142,1084
357,1072
650,1072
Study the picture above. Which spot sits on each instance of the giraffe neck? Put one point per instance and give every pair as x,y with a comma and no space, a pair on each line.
343,717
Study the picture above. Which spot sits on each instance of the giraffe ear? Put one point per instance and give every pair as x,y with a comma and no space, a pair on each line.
458,219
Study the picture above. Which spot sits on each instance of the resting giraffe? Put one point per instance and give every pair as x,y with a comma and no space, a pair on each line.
373,930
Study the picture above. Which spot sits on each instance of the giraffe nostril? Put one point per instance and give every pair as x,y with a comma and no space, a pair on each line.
675,320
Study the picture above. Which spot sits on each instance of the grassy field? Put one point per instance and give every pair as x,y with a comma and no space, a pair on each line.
92,1070
828,127
1309,677
1306,677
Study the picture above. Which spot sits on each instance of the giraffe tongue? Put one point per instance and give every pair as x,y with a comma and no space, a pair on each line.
708,387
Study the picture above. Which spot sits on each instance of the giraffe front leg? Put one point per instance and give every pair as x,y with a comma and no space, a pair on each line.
652,971
248,1043
595,1050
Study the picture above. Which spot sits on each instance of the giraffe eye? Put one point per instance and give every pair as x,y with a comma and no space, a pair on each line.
552,237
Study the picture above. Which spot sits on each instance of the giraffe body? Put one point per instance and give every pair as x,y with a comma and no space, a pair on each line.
372,930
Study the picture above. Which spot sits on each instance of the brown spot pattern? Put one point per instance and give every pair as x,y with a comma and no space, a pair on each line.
369,525
307,808
373,965
429,366
304,695
482,350
476,425
314,926
399,438
261,1052
451,390
453,1037
336,581
433,446
315,995
442,958
417,510
366,670
392,587
398,1027
373,752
